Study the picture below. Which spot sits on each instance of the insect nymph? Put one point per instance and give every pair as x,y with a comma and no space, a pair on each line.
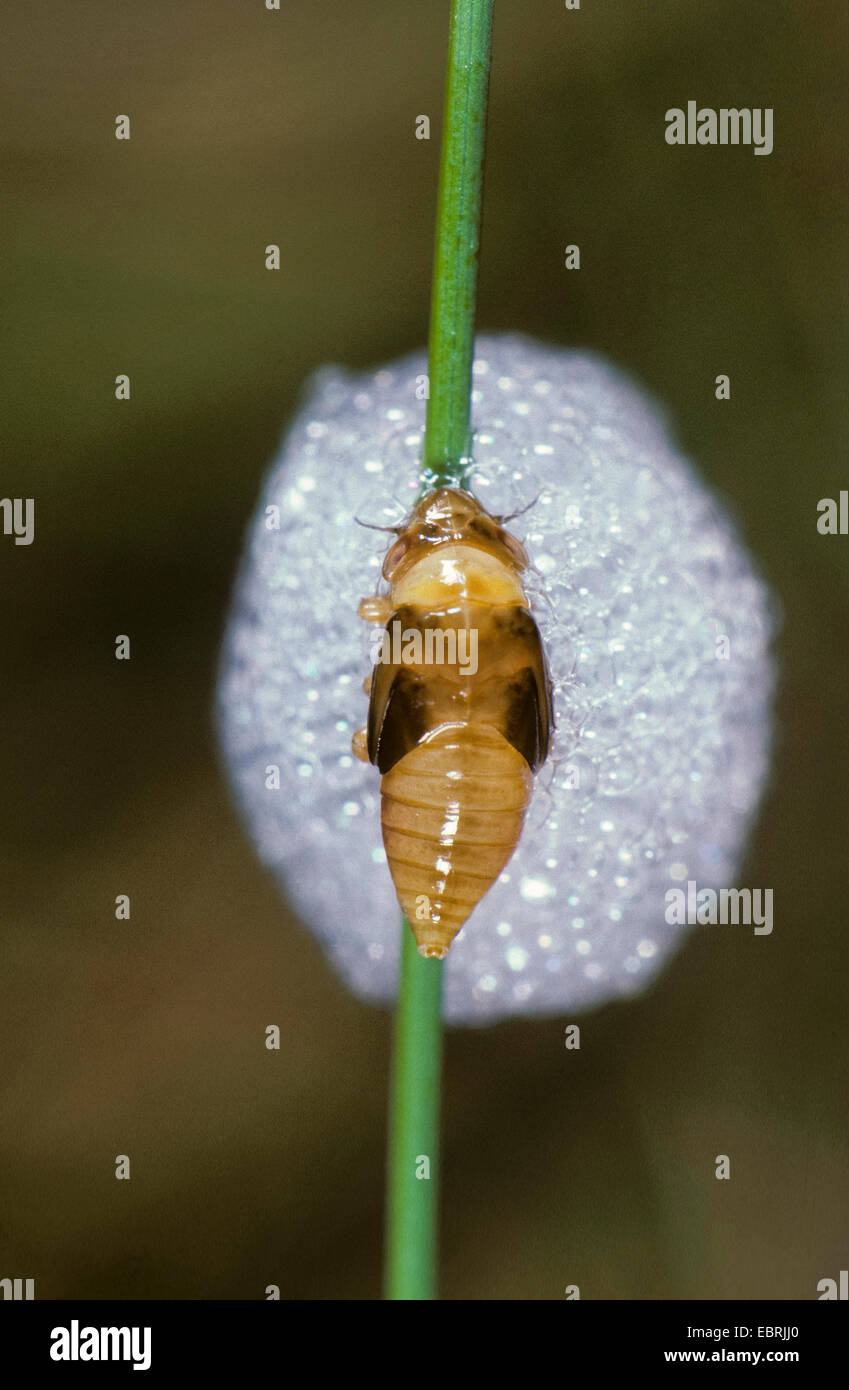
460,711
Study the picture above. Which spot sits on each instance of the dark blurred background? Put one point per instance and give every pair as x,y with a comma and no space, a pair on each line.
146,1037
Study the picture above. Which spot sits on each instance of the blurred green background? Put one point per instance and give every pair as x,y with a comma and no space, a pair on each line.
147,1037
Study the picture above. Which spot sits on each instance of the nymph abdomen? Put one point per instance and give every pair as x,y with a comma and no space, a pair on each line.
452,811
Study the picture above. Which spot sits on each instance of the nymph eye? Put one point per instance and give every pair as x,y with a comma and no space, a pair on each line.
515,549
396,554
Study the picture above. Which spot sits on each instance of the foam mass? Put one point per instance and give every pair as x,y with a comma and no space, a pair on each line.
657,628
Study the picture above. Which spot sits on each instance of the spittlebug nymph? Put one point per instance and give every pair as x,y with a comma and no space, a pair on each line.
460,711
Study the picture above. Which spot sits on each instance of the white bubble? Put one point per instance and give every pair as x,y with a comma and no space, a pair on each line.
660,755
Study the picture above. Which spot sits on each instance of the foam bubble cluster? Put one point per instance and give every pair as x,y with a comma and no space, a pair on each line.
657,629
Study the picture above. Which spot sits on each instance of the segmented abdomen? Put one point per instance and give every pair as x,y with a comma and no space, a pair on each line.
452,811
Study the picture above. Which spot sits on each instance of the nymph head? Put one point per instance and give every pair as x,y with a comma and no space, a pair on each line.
451,516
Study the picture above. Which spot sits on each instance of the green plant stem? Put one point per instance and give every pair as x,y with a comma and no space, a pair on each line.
412,1208
414,1135
455,266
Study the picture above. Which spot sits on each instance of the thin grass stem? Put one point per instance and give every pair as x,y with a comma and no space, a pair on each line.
413,1176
